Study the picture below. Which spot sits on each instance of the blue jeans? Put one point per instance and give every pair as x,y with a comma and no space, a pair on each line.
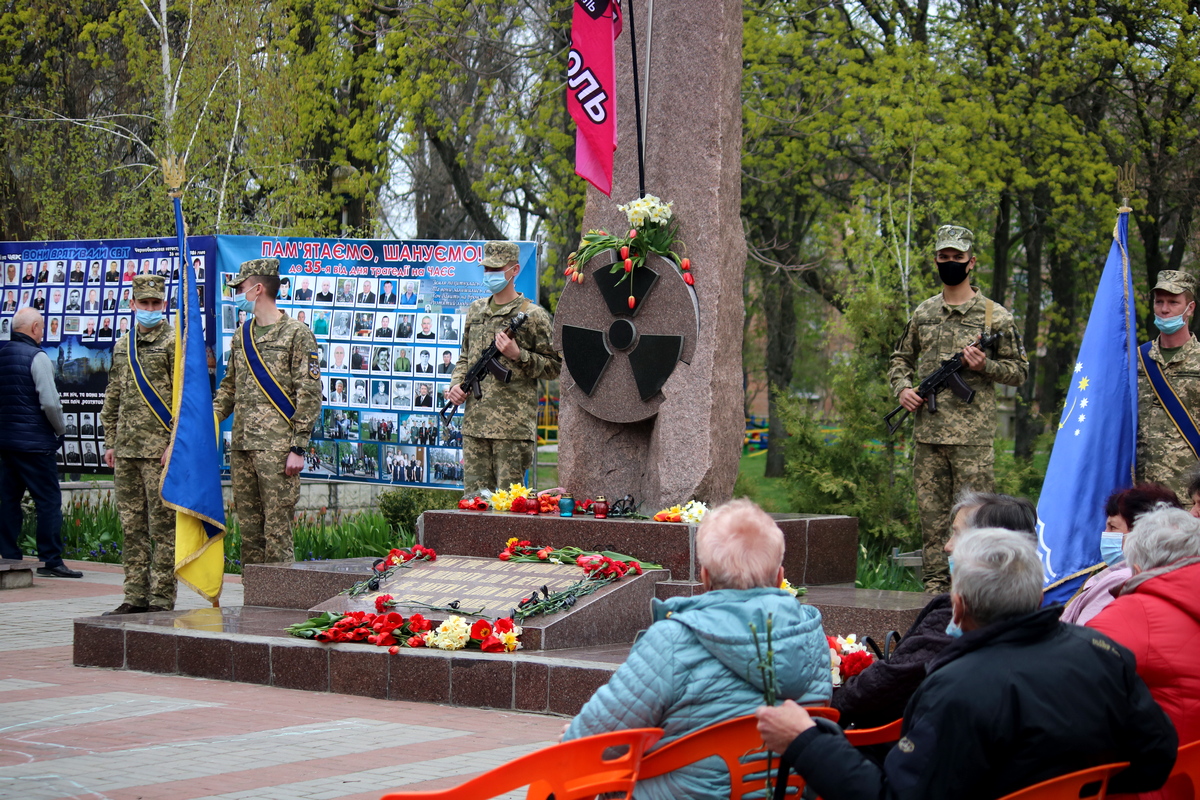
37,472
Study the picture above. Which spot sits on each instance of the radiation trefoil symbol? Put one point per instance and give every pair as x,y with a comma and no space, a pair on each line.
617,359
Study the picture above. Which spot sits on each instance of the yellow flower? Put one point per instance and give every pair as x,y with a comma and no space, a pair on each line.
509,638
517,490
511,542
787,587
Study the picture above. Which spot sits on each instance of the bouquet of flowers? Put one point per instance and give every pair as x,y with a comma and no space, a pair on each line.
516,498
692,512
847,657
654,229
396,559
391,630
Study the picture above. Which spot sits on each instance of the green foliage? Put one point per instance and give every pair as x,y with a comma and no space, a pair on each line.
401,507
877,570
91,530
854,470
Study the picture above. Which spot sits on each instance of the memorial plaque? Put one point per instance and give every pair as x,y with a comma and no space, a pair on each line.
485,587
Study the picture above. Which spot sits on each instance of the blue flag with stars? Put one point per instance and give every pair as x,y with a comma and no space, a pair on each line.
1097,433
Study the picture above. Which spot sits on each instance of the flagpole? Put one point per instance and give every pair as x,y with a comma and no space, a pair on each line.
637,104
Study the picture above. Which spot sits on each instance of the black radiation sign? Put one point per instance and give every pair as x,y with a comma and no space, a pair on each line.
619,359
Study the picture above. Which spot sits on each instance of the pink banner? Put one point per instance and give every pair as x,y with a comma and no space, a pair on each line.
591,89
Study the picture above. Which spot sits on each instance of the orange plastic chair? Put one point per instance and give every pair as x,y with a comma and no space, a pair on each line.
572,770
1086,783
861,737
735,741
1185,777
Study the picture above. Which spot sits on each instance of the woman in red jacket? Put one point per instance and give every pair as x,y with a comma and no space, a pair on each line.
1157,616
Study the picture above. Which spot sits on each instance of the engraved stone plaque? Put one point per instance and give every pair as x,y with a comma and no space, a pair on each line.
485,587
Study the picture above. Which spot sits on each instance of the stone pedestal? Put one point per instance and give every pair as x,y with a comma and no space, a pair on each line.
693,159
820,550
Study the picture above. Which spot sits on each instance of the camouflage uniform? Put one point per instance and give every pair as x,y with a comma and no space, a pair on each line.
953,447
263,495
500,430
138,440
1163,455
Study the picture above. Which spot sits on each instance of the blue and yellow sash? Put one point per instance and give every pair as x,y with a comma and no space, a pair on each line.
1171,403
263,377
153,399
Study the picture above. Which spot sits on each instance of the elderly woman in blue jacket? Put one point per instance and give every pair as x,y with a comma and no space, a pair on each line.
697,664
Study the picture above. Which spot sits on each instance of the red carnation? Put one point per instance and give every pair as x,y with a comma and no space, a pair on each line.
854,663
491,645
518,505
381,602
481,629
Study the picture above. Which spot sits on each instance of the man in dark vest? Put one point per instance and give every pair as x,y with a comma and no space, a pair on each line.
33,423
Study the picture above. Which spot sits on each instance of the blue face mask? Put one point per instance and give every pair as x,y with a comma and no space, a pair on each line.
950,562
953,630
1170,324
495,282
148,319
242,303
1110,547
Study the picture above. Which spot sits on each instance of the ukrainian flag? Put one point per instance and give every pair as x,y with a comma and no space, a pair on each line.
191,483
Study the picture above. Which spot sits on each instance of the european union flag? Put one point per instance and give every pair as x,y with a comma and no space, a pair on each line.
191,483
1097,433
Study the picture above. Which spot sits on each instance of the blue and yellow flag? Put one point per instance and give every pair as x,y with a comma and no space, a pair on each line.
191,483
1097,434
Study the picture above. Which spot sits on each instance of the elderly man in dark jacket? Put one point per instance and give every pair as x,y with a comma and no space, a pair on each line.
878,694
1018,698
29,439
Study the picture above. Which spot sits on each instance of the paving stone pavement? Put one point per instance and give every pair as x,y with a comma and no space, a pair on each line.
67,731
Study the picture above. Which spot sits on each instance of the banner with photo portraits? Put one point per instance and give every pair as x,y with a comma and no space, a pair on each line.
83,289
387,316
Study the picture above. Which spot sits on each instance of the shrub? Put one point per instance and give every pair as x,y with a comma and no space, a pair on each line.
401,507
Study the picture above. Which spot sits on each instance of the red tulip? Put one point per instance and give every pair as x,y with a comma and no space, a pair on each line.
633,233
632,301
686,264
629,265
394,649
568,271
688,279
625,252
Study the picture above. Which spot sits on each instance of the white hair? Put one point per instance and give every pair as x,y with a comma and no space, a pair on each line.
1160,537
740,546
997,574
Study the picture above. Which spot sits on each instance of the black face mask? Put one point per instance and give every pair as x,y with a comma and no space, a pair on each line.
952,273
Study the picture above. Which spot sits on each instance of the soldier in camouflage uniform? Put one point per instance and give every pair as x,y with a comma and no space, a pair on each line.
1163,455
953,447
135,438
500,430
267,449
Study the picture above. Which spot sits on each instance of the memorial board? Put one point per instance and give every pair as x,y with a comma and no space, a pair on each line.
481,587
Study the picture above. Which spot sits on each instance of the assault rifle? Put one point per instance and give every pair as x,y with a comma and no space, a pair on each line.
945,376
487,363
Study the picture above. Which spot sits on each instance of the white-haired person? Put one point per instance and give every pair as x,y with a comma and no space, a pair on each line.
1156,614
1018,698
697,663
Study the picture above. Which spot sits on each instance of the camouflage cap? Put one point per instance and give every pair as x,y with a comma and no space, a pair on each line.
497,255
256,266
1175,282
149,287
955,237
